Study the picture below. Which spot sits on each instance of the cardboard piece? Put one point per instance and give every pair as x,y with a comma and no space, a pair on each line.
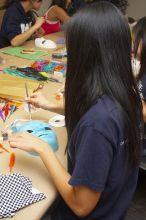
13,88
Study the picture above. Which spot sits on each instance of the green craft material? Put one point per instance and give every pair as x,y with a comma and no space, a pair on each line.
16,51
17,73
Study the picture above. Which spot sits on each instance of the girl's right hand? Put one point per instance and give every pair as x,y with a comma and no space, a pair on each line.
27,142
39,22
38,100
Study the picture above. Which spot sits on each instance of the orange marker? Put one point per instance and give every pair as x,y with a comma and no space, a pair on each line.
6,110
12,161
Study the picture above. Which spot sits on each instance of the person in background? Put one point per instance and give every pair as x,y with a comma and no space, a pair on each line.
103,114
139,53
132,22
78,4
55,16
120,4
75,6
18,24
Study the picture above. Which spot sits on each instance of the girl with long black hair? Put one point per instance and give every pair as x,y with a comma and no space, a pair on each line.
103,119
18,24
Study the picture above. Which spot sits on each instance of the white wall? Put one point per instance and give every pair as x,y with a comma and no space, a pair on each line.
137,8
44,7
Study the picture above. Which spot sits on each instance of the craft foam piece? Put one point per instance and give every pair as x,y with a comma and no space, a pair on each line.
44,43
57,121
39,129
17,51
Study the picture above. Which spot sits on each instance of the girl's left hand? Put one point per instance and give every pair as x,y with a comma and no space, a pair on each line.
40,32
27,142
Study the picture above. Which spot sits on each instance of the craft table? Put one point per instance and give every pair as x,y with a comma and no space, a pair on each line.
26,164
12,60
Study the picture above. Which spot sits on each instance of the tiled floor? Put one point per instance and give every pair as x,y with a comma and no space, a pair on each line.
137,210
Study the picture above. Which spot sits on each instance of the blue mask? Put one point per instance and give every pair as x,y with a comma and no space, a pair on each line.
39,129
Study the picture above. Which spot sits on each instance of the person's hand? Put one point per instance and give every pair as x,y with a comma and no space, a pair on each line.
39,22
38,100
27,142
40,32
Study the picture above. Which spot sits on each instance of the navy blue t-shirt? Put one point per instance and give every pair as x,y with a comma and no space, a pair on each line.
15,22
98,159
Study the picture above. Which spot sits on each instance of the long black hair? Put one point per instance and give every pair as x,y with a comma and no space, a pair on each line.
99,62
139,39
60,3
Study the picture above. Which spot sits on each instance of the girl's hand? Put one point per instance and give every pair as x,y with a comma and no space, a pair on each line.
39,22
38,100
39,33
27,142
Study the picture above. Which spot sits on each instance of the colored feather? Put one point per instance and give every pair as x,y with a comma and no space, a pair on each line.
2,147
12,110
6,110
12,161
1,115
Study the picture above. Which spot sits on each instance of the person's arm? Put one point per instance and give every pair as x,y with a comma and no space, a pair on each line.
58,14
40,32
81,199
144,110
59,109
21,38
39,101
93,158
54,108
